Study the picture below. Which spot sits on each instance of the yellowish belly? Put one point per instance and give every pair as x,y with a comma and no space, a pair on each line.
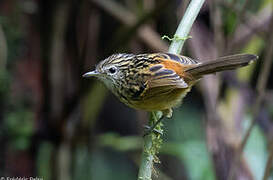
153,101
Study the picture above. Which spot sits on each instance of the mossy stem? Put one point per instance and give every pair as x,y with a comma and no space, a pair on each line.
152,142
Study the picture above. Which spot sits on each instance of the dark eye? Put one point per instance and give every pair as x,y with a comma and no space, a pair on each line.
113,70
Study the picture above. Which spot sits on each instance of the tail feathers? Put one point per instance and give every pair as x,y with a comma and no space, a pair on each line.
221,64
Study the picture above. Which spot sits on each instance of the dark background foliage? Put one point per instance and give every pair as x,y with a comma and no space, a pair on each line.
56,125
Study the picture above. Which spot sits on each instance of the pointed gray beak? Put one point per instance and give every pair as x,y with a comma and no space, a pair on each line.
91,74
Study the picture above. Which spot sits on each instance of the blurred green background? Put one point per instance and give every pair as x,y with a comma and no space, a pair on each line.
56,125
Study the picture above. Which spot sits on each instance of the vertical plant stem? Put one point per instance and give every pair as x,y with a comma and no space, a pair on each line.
185,25
152,142
3,49
269,163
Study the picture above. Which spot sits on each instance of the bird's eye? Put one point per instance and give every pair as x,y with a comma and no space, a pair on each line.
113,70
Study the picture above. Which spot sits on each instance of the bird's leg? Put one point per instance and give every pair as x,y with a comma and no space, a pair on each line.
152,128
167,113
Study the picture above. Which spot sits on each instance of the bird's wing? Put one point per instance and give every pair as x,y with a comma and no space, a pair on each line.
163,77
175,58
169,72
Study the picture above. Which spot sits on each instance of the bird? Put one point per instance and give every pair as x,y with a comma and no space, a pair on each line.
159,81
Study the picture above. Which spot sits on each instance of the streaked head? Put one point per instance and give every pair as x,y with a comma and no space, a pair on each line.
109,71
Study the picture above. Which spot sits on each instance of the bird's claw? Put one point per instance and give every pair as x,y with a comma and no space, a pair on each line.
148,130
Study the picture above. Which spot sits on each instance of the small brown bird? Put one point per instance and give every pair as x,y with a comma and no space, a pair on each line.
159,81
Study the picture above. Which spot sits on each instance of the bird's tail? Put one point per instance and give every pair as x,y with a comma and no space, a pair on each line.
221,64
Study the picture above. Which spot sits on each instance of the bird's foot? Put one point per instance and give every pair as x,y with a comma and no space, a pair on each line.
168,113
149,129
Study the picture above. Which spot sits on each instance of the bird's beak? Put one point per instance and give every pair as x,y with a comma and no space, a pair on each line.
91,74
